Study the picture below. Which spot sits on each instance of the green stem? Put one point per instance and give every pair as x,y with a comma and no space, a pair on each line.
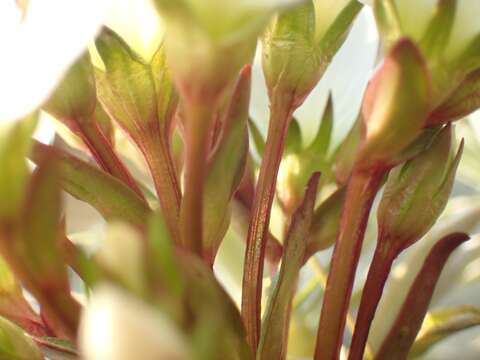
362,188
258,230
103,152
158,156
372,292
199,117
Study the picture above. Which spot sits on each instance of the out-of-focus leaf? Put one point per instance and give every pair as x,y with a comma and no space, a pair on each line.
226,168
15,145
325,223
35,255
274,336
321,142
442,323
436,36
293,142
215,313
75,97
104,192
14,345
14,306
402,335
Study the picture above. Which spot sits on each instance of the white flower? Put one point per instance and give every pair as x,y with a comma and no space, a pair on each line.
117,326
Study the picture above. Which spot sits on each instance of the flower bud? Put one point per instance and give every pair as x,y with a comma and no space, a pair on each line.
300,43
395,106
219,34
446,31
417,192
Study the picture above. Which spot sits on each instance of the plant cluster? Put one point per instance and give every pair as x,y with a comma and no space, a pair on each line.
150,289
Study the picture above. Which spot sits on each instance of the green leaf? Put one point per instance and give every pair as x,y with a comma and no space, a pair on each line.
437,34
321,142
102,191
326,220
388,21
226,167
274,335
334,37
15,145
127,88
14,345
440,324
402,335
35,252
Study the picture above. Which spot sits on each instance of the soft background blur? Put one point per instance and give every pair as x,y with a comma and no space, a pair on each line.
38,46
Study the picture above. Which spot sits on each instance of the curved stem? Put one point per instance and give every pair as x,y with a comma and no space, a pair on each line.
372,292
258,230
362,188
199,117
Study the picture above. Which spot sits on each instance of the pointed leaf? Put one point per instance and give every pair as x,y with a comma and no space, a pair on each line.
321,143
409,320
274,336
440,324
226,167
102,191
438,31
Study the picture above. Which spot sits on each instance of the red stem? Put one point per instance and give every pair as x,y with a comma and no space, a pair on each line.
258,230
103,152
372,292
362,188
157,154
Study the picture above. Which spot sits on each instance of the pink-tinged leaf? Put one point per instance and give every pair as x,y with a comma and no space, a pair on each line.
105,193
274,336
409,320
33,252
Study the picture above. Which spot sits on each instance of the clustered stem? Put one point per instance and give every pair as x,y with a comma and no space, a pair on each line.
362,188
258,230
372,292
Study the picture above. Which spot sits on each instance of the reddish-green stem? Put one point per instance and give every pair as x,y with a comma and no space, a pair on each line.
158,156
372,292
258,230
103,152
362,188
199,117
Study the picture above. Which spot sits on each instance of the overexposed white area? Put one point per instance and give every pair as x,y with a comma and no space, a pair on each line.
38,43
